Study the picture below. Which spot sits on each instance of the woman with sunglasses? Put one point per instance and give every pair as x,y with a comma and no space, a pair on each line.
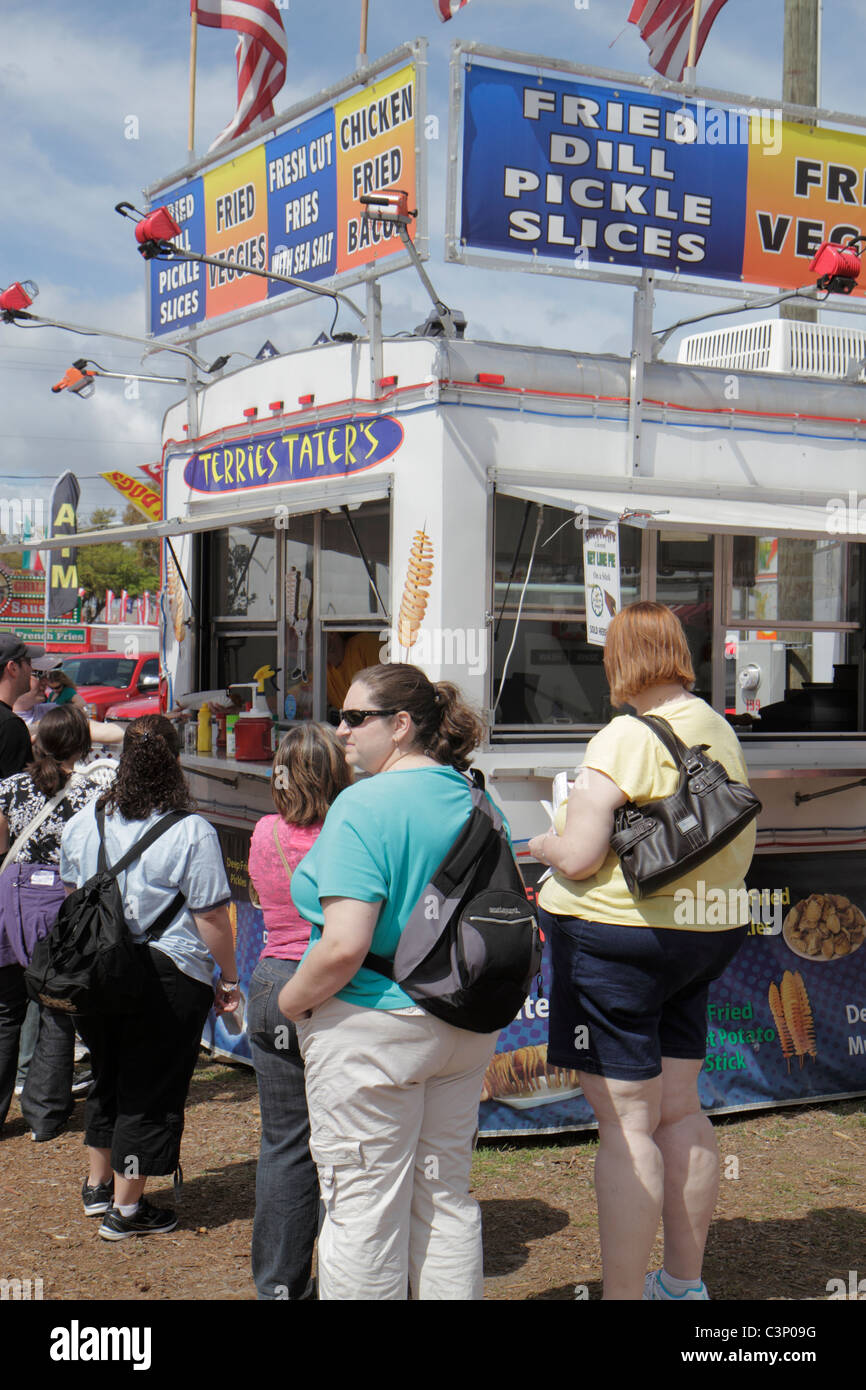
393,1092
309,772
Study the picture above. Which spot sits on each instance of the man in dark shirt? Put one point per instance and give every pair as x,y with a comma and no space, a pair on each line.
15,658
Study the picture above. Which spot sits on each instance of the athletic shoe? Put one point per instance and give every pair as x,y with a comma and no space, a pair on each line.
82,1083
655,1290
97,1199
146,1221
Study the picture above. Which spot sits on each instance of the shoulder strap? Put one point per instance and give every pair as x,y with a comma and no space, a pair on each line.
34,825
663,731
136,850
158,927
280,848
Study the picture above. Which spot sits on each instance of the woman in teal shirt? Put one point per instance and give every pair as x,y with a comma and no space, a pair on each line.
393,1091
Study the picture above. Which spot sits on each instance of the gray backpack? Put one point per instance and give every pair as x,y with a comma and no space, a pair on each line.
472,945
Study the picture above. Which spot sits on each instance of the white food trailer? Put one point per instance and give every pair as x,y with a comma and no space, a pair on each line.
425,498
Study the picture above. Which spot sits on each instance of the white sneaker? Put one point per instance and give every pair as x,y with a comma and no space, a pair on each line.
655,1290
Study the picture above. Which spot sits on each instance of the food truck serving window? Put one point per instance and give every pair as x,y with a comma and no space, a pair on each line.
794,635
775,624
553,676
270,587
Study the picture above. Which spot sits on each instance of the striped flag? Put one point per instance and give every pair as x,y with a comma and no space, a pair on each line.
666,26
448,8
261,55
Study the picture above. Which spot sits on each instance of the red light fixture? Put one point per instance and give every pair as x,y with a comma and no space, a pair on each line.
391,205
385,381
18,297
306,400
490,379
153,230
251,412
275,406
837,265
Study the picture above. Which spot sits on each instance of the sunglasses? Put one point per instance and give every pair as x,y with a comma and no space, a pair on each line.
355,717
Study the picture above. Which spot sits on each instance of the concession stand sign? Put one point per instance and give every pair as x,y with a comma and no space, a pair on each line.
603,175
291,204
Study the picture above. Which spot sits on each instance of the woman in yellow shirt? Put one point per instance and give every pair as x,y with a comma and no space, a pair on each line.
631,978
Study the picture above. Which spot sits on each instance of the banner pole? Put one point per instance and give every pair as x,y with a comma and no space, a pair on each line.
362,55
193,44
693,40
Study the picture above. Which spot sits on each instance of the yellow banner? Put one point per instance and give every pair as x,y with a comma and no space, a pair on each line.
139,494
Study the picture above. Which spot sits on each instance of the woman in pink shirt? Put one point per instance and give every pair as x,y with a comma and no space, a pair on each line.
309,771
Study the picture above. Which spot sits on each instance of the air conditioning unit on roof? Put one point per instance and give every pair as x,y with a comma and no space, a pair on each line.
786,346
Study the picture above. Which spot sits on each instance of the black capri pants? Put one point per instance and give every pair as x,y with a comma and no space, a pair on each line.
143,1063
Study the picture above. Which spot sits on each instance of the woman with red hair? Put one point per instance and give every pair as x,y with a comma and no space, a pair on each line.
628,1006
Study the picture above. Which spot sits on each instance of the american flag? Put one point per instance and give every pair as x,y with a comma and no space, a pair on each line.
261,54
666,26
448,8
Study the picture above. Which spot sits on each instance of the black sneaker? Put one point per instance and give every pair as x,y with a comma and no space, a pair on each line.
146,1221
97,1199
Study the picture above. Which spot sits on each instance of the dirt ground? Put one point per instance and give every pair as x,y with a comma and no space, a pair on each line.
791,1215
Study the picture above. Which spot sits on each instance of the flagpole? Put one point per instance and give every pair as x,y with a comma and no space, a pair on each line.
362,55
193,44
689,73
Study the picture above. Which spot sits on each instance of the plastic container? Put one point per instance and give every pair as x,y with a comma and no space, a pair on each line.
190,736
254,738
203,743
231,720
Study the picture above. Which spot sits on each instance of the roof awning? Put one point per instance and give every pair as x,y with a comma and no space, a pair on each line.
267,504
756,513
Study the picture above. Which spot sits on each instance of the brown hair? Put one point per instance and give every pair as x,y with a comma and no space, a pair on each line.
645,646
309,772
62,735
447,728
60,678
149,777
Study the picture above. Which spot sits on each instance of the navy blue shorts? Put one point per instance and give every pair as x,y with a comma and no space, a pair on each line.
636,994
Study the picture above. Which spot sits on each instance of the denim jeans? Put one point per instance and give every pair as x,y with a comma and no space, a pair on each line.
47,1100
287,1187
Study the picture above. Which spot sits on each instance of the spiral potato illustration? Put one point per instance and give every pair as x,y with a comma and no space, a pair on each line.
414,602
798,1013
792,1014
175,599
785,1040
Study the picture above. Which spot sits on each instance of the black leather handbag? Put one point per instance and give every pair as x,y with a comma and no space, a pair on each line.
664,840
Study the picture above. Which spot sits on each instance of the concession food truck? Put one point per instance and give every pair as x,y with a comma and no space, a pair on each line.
439,515
478,508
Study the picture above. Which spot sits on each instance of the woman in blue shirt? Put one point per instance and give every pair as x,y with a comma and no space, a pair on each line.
393,1091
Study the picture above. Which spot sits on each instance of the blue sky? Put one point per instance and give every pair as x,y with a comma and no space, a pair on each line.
71,76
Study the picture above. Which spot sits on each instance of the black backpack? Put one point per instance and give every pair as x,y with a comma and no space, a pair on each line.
89,962
471,946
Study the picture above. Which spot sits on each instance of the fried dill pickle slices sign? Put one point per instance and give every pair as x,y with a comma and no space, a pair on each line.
295,456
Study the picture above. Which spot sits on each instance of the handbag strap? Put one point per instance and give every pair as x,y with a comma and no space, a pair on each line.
34,825
665,734
280,849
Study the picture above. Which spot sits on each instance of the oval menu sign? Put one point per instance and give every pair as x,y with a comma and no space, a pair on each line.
331,450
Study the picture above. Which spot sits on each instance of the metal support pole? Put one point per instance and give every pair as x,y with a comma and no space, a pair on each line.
641,353
800,85
374,330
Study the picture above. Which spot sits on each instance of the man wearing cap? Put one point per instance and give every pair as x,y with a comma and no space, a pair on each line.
15,670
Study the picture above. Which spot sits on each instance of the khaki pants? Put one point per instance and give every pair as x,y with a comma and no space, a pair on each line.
393,1098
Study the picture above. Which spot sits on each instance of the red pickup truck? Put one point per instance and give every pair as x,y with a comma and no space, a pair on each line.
108,681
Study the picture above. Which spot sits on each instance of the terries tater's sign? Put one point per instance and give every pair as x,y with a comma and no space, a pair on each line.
293,456
617,177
